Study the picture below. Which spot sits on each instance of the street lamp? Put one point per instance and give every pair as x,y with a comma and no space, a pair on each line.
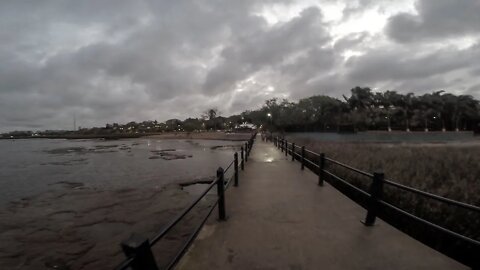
269,115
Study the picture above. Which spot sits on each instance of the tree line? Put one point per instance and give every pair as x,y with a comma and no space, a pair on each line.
365,109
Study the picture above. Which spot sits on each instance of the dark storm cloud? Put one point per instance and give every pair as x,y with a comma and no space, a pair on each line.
122,60
151,53
394,63
269,47
473,90
436,19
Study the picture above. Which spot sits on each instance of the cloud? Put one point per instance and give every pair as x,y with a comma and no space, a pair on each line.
415,68
350,41
267,48
402,64
121,60
436,19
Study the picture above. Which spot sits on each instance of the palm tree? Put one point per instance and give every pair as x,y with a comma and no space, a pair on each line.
406,104
211,114
361,104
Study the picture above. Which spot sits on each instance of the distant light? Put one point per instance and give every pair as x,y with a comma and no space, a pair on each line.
269,114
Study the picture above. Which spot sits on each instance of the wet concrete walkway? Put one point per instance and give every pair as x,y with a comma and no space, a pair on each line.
278,218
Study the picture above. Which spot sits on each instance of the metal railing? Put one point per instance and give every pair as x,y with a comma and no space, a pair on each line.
453,244
137,248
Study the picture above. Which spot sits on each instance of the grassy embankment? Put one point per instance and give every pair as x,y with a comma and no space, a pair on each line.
447,170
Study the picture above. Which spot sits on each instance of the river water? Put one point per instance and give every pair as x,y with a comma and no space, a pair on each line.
67,204
28,167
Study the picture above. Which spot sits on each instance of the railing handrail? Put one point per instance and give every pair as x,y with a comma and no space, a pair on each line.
373,202
349,167
434,196
229,165
182,251
395,184
129,260
185,211
445,230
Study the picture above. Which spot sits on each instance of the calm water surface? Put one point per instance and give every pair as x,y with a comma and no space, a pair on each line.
29,167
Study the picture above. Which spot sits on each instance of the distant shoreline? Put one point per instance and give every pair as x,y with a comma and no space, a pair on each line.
241,136
77,137
238,136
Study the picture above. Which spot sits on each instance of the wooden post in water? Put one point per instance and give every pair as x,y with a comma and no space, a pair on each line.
221,194
138,248
235,164
376,190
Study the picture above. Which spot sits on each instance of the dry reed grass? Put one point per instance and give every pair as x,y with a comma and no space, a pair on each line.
447,170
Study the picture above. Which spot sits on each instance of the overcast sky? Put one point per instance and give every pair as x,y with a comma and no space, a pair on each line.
123,60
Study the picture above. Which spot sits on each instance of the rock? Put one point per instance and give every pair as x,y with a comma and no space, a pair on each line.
57,264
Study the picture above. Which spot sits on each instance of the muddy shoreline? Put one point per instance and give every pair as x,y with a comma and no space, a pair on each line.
74,226
81,209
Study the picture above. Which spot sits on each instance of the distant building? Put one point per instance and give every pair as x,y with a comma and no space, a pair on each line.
245,126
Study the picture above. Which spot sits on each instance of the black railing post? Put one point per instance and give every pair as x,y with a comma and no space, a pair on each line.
303,157
235,164
376,190
321,167
281,145
293,151
138,248
286,148
221,194
242,161
246,152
